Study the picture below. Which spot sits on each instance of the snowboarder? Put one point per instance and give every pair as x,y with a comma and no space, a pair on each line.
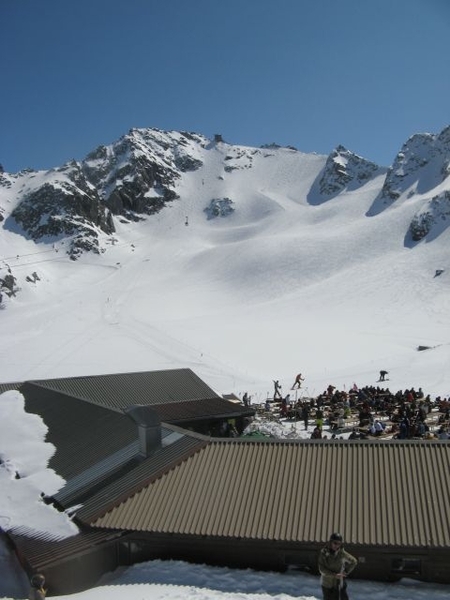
37,590
277,389
383,375
334,566
298,381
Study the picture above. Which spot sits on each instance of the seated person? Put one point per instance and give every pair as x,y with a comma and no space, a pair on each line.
379,429
316,434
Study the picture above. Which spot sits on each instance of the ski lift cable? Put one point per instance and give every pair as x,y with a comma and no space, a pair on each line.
136,228
118,245
23,255
37,262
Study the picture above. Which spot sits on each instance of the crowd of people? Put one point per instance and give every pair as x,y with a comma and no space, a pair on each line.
367,411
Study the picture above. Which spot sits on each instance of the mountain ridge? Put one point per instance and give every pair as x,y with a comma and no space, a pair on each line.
138,175
175,250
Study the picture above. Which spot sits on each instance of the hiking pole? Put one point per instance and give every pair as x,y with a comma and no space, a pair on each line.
341,581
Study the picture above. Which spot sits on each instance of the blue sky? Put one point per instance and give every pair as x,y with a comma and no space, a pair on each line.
307,73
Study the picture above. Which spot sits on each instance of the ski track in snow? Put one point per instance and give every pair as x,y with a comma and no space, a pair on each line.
279,286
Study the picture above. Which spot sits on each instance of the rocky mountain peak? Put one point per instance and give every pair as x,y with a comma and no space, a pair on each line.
64,204
344,169
422,163
137,174
141,172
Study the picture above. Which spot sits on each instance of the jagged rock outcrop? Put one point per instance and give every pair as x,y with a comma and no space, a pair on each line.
433,217
219,207
133,177
67,206
422,164
137,174
8,283
344,169
143,171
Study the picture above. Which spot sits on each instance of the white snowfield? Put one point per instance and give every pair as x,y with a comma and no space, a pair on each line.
287,283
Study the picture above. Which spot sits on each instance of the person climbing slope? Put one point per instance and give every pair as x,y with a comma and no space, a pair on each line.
298,381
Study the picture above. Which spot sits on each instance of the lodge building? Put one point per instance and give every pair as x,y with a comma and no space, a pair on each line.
144,460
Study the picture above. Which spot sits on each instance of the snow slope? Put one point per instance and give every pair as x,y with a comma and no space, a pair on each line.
291,280
287,282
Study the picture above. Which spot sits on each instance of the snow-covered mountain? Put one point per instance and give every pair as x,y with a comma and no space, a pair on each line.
244,263
144,170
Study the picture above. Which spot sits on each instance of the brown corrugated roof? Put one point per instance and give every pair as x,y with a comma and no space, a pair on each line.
141,475
393,493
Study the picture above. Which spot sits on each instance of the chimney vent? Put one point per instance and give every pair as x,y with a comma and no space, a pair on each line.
149,428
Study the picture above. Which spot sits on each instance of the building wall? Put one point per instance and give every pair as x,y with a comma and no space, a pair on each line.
81,571
375,564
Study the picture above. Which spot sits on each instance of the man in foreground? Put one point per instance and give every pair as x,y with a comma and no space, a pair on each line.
334,566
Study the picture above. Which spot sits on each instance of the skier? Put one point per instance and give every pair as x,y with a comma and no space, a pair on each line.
298,381
334,566
37,590
383,375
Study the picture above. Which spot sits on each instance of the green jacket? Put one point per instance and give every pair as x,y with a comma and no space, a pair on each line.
331,563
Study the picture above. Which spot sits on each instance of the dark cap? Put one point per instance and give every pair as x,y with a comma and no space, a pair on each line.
336,537
38,579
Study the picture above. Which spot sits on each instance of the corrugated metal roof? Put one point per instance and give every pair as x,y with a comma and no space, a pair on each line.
41,553
97,447
100,474
121,390
177,395
83,434
141,475
198,410
395,493
6,387
81,484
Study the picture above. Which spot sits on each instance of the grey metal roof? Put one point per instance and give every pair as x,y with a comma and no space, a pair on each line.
83,434
6,387
178,395
42,552
390,494
98,448
198,410
121,390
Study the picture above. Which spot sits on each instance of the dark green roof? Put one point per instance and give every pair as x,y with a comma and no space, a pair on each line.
120,390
